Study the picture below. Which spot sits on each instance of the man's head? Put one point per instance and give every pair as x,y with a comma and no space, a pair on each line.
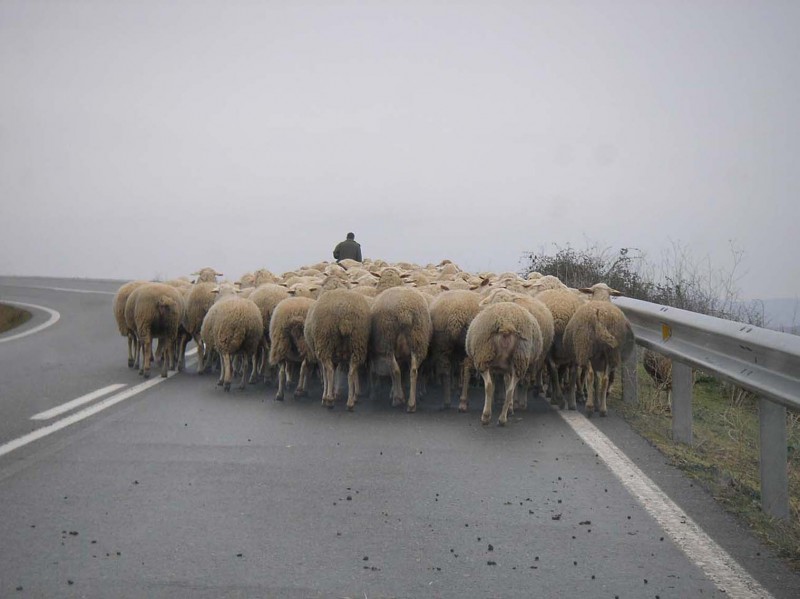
351,236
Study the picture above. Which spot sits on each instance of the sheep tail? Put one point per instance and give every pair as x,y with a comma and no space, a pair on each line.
603,334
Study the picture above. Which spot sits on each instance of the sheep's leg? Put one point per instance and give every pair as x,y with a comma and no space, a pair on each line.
604,393
352,385
328,376
412,391
521,395
281,380
357,383
137,349
397,397
447,381
131,344
556,394
169,348
200,350
302,379
511,381
488,385
147,344
569,400
221,371
463,401
591,397
227,370
247,362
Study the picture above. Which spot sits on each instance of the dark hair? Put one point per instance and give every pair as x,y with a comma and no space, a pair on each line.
351,236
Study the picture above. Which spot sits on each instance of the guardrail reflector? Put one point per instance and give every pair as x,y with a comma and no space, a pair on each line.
666,331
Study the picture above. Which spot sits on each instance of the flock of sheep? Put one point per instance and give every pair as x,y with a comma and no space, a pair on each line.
435,323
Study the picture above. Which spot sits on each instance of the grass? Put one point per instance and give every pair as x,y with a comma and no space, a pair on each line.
11,317
724,457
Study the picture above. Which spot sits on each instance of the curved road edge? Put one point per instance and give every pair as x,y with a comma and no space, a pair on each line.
53,318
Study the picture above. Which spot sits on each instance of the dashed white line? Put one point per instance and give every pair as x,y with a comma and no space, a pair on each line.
71,405
54,317
712,559
82,415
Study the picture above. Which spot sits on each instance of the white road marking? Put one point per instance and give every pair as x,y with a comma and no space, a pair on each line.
712,559
71,405
70,289
54,317
83,414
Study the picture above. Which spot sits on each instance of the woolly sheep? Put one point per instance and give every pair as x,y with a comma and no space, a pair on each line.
201,298
337,329
238,331
155,310
266,297
544,319
562,304
400,333
223,292
451,314
286,331
206,275
120,298
502,337
598,335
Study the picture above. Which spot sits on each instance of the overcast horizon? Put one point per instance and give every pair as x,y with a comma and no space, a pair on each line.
149,139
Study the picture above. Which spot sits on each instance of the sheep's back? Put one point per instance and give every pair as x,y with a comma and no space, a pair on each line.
400,316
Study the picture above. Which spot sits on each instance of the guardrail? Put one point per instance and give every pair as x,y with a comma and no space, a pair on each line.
759,360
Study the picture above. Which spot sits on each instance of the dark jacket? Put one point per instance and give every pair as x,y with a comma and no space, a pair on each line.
349,248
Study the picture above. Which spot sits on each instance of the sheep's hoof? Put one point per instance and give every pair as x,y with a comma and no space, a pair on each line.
603,413
351,408
501,423
485,420
163,375
130,363
219,383
300,392
279,397
411,409
463,408
397,402
145,374
227,386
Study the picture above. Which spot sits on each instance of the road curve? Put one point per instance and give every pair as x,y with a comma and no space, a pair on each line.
174,488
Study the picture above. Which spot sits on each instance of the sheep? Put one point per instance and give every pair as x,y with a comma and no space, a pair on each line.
120,298
389,277
544,319
206,275
400,332
545,283
155,310
562,304
286,331
266,297
262,276
201,298
502,337
451,314
598,335
238,331
223,292
337,330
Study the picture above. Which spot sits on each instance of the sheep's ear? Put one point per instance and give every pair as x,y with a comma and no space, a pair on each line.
484,281
219,274
588,290
215,290
194,274
292,291
444,287
374,274
405,275
616,293
313,289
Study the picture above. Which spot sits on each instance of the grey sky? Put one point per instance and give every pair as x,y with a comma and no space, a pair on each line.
152,138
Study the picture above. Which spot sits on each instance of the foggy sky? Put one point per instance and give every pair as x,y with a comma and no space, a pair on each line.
144,139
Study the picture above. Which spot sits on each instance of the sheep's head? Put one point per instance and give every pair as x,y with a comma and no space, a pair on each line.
601,292
206,275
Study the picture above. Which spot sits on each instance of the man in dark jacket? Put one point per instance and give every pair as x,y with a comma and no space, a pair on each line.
348,249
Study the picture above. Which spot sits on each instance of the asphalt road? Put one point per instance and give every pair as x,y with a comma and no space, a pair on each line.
182,490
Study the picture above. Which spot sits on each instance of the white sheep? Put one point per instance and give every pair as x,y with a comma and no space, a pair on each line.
120,299
337,330
400,333
505,338
238,331
288,342
154,311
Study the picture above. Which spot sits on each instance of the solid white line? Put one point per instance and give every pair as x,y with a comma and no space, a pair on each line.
712,559
71,405
82,415
54,317
70,289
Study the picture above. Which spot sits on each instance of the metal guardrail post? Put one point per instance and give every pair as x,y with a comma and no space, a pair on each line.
630,378
774,475
681,403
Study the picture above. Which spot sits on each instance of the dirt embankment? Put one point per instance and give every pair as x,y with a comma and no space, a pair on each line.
11,317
